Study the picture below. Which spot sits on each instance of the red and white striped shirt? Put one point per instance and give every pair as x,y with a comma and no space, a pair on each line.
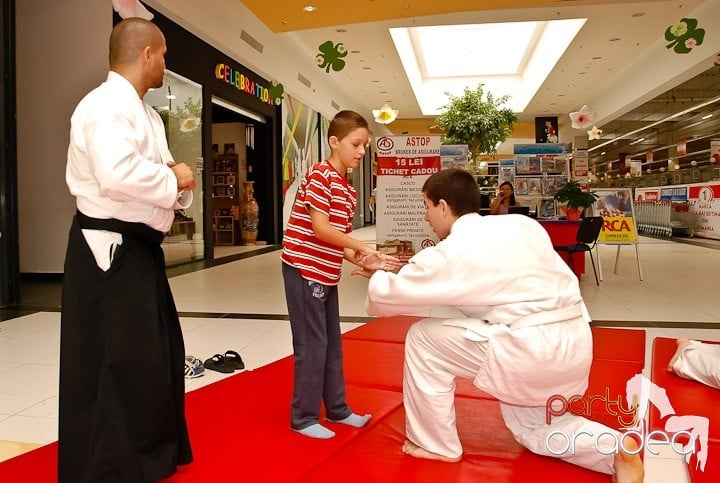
325,190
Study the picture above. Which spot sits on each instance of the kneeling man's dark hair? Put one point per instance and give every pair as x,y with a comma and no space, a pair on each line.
457,187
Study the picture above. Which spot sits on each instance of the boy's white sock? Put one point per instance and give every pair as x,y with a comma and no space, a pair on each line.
354,420
317,431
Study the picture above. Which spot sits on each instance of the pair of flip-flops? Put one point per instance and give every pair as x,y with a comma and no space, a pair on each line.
225,363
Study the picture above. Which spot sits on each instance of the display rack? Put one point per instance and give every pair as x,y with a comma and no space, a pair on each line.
226,198
487,178
224,229
536,178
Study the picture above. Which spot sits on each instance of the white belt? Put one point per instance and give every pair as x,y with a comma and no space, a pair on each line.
548,317
478,330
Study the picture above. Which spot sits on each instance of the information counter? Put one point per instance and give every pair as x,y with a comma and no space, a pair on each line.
563,232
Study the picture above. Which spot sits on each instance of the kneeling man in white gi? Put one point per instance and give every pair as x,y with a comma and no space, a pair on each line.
524,337
697,361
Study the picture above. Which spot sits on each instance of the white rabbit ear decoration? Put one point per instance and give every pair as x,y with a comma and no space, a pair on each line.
131,8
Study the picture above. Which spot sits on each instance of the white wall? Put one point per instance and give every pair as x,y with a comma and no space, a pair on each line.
61,55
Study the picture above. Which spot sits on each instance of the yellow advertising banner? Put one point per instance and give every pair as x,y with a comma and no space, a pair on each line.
618,229
616,207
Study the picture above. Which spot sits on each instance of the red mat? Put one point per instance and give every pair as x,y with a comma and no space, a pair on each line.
490,454
688,398
606,384
608,343
380,365
374,357
239,427
625,345
37,466
384,329
711,473
618,355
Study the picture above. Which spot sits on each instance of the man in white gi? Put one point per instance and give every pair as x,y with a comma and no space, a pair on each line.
122,415
697,361
524,336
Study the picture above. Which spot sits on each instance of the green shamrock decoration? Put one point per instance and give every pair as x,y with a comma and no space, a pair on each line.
276,92
684,35
331,56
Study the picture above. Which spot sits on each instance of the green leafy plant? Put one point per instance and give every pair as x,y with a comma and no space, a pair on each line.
477,119
572,194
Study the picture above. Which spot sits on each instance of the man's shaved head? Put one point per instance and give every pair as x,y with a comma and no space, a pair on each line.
130,37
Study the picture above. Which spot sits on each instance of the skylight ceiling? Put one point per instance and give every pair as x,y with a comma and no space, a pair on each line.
511,58
473,57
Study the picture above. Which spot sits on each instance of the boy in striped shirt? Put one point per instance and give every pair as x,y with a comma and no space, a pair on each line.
315,243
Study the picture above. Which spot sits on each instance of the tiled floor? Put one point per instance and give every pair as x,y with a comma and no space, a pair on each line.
240,305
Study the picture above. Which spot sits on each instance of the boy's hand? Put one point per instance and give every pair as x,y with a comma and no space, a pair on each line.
379,261
361,253
372,261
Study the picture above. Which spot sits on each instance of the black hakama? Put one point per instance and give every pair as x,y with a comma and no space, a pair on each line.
122,406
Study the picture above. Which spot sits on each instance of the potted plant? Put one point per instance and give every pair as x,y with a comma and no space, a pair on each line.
575,199
477,119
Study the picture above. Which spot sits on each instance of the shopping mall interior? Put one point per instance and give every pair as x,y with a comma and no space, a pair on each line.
658,108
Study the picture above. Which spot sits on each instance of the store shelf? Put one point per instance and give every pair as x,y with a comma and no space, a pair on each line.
226,198
224,230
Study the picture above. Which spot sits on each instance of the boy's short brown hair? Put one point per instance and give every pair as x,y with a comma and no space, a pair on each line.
457,187
345,122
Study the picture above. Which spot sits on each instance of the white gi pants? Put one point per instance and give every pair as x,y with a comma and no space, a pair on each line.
435,355
700,362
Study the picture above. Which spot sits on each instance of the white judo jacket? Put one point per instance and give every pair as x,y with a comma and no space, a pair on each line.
517,295
117,165
118,158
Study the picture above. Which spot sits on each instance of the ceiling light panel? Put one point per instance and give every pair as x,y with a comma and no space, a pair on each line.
438,60
472,50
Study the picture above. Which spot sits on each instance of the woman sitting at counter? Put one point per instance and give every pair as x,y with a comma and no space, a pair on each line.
504,200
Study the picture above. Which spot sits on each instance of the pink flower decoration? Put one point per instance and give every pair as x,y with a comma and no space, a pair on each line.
582,119
131,8
690,43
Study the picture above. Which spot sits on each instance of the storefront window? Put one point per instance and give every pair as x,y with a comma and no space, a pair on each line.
179,103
